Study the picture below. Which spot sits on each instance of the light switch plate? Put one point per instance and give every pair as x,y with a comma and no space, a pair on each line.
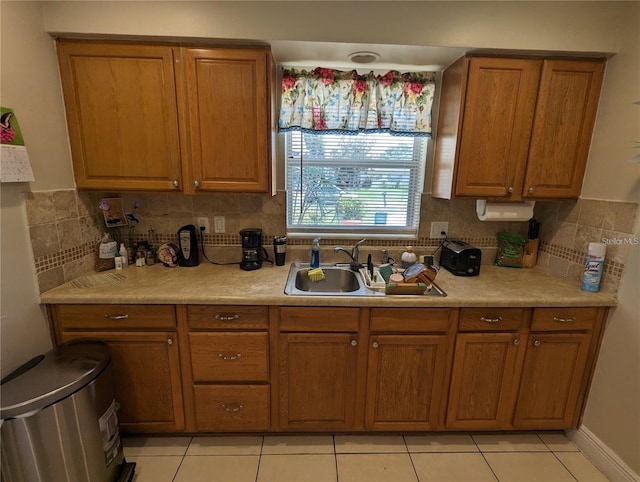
218,224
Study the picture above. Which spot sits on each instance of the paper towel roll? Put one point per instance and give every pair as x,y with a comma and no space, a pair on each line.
515,211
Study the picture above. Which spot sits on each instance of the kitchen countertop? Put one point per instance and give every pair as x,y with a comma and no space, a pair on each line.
229,285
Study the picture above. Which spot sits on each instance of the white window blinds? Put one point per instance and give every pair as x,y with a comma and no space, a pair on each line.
346,184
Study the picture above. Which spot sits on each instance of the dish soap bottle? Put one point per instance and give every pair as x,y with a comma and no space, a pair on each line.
408,257
315,253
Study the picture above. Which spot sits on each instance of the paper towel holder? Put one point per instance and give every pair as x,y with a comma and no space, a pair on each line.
505,211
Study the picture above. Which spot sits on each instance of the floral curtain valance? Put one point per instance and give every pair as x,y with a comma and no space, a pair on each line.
330,100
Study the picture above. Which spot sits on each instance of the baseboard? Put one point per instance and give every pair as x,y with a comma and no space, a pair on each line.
612,466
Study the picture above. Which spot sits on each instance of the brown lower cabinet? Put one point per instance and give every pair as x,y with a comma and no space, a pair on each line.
227,356
206,368
534,377
393,380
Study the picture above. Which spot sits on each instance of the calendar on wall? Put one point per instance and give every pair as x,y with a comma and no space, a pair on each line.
14,160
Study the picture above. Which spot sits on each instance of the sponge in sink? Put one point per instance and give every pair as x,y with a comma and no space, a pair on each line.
316,274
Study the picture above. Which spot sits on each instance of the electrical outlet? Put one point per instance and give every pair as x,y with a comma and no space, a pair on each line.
437,228
218,224
203,222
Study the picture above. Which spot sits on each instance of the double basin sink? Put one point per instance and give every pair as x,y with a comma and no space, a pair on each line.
338,281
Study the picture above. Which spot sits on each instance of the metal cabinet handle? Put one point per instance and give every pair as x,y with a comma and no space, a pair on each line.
196,183
491,320
564,320
116,317
536,343
354,342
230,357
531,189
232,409
375,344
169,341
227,316
510,190
176,184
516,341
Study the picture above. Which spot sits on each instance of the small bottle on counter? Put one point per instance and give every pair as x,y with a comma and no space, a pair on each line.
124,255
118,260
408,257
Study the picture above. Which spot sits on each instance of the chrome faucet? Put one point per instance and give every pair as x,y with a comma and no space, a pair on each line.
355,251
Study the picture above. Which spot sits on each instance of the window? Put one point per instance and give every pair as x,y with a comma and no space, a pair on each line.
354,184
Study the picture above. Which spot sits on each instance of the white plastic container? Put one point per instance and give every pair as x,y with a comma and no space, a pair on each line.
593,267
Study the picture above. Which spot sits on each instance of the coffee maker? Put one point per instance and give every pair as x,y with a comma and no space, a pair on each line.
252,250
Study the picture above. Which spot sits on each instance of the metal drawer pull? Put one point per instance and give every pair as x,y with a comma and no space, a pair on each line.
227,316
564,320
232,357
491,320
116,317
230,409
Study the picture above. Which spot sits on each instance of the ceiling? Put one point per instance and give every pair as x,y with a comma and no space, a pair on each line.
336,55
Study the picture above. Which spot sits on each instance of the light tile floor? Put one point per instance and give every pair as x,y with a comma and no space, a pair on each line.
544,457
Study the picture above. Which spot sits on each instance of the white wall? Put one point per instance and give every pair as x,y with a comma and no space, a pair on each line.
30,85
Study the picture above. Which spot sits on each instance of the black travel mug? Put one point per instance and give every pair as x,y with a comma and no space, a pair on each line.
279,249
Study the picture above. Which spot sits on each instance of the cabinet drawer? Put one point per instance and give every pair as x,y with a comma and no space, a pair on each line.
315,319
493,319
122,317
228,317
231,407
416,320
229,356
564,319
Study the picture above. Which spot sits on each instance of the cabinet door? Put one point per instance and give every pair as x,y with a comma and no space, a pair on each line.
484,380
146,376
228,110
317,381
562,128
122,115
498,112
552,379
405,380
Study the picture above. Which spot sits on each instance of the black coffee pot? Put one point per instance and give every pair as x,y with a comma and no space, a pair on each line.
252,251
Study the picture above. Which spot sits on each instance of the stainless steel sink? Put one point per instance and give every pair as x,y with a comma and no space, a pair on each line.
339,281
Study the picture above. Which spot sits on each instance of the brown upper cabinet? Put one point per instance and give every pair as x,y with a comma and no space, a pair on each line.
515,128
165,118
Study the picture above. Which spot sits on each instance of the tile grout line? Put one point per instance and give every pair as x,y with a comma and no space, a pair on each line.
335,457
182,459
566,468
259,458
484,458
406,445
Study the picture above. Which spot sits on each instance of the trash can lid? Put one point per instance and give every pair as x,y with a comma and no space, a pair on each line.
51,377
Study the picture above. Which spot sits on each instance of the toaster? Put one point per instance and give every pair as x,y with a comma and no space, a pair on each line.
460,258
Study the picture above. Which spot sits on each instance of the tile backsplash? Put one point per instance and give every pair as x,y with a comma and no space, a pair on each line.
66,225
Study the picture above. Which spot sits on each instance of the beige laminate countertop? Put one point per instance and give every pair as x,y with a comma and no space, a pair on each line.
229,285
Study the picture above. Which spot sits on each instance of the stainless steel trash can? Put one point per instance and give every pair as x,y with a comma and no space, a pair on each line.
59,419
